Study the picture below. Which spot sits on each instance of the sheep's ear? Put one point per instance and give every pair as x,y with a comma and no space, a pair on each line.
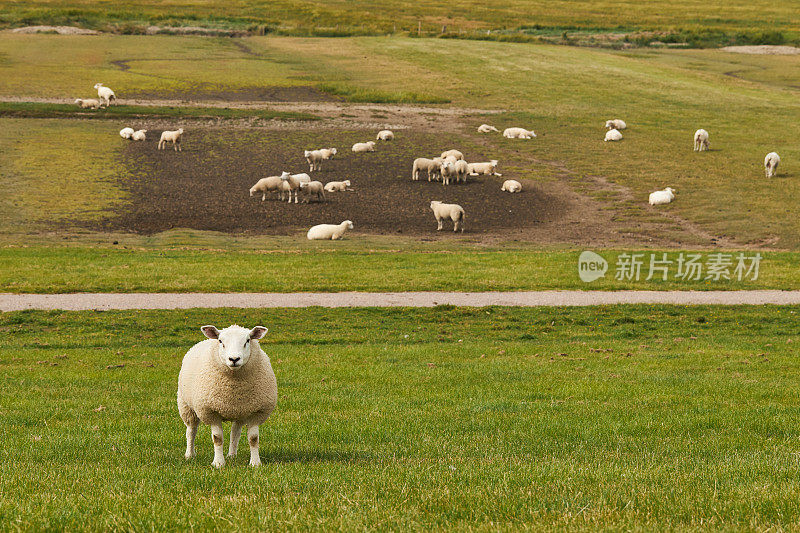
258,332
210,331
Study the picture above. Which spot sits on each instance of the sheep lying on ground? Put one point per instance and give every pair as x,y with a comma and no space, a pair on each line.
105,94
368,146
312,188
452,153
139,135
329,231
490,168
613,135
385,135
485,128
126,133
338,186
291,184
771,163
616,124
227,377
88,103
174,136
662,197
316,157
452,211
265,185
701,140
511,186
518,133
431,166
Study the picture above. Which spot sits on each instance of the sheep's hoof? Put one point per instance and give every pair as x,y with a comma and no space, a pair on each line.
188,456
218,463
231,455
255,463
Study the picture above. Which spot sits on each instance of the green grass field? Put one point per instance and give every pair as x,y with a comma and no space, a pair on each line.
736,20
617,418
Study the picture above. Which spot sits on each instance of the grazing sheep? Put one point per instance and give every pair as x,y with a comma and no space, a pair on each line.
701,140
452,211
126,133
265,185
312,188
490,168
452,153
174,136
613,135
616,124
105,94
325,232
368,146
139,135
448,172
518,133
88,103
462,169
424,164
315,157
662,197
291,184
511,186
485,128
385,135
771,163
227,377
338,186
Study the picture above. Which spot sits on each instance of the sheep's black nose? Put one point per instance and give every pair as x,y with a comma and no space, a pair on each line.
234,360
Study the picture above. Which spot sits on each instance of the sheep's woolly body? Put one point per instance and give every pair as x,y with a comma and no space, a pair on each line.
171,136
771,162
327,232
700,140
431,166
613,135
105,93
452,211
662,197
316,157
518,133
265,185
126,133
485,128
368,146
489,168
87,103
511,186
338,186
313,188
616,124
385,135
139,135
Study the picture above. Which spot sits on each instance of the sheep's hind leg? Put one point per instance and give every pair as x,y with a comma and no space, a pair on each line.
252,439
191,433
236,434
218,439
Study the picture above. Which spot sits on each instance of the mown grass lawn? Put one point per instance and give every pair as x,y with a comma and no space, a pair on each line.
613,418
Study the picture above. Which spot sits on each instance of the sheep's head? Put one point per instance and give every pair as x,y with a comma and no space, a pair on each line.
234,343
494,162
78,101
346,183
348,223
434,203
333,152
371,144
306,153
670,190
285,176
180,131
98,85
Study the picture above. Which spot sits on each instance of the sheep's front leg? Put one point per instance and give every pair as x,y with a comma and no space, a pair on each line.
236,434
217,438
439,220
191,433
295,195
252,439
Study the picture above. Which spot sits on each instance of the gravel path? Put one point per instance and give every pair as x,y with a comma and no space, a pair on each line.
89,301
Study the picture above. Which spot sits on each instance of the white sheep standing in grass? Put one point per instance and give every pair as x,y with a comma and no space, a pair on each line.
518,133
316,157
771,162
662,197
385,135
615,124
126,133
701,140
227,377
312,188
291,184
368,146
265,185
485,128
511,186
452,211
489,168
105,94
88,103
613,135
328,232
171,136
139,135
452,153
338,186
